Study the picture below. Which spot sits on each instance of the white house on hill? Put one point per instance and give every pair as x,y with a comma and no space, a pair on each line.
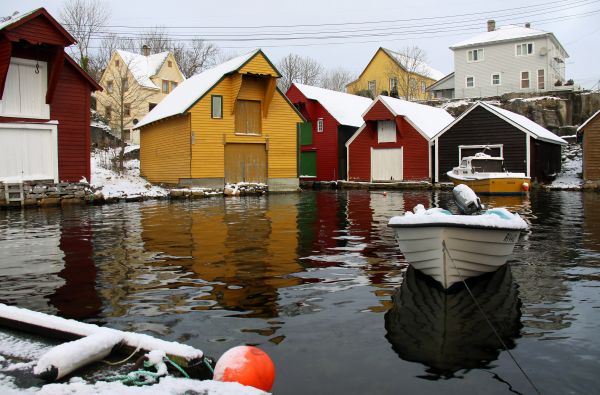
508,59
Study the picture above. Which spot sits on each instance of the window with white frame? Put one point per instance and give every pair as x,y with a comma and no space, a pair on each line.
320,125
371,86
525,80
386,132
25,90
496,79
524,49
393,84
541,80
475,55
470,81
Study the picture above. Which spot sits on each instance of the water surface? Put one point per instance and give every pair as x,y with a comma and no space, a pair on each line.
317,281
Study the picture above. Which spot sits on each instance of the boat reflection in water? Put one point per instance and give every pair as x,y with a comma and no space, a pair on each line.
445,331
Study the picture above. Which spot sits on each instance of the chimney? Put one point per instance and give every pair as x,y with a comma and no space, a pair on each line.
491,25
527,25
145,50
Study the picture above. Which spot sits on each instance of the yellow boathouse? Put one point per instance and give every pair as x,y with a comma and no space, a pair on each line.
229,124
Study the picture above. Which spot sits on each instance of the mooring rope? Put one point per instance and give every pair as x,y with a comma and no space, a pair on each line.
488,321
146,377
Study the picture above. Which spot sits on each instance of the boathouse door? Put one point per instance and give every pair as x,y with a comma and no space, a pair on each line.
386,164
245,163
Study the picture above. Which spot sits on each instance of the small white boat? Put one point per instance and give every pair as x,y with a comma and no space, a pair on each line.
450,247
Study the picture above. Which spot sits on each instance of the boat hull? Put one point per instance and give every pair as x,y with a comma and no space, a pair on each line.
494,185
450,254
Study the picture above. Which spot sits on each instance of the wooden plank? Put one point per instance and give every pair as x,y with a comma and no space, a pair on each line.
245,163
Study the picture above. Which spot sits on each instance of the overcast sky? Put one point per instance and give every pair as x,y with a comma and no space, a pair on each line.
431,25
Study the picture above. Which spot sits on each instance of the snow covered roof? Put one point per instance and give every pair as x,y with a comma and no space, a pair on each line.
588,120
504,33
16,18
426,119
143,67
191,90
519,121
421,68
346,108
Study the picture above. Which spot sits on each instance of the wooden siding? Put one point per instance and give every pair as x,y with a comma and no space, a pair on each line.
279,128
591,150
259,65
245,163
165,150
71,107
325,143
480,127
38,30
415,152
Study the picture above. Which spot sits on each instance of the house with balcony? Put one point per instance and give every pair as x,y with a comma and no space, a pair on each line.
508,59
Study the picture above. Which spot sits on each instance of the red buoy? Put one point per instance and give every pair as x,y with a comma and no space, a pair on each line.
525,186
246,365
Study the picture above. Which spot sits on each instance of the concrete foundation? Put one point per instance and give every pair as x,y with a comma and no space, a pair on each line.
283,184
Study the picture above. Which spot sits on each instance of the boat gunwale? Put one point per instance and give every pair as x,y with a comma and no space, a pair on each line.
453,225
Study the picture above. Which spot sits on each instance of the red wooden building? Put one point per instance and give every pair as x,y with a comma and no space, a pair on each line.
44,102
333,118
394,142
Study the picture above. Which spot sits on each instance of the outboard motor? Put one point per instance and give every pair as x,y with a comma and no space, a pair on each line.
466,200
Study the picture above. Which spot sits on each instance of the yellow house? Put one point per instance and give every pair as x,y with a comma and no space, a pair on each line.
133,85
390,73
229,124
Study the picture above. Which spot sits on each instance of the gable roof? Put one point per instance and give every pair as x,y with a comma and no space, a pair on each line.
194,88
588,120
427,120
143,67
506,33
521,122
346,108
20,19
420,68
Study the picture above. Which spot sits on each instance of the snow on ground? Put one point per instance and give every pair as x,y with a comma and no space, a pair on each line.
570,176
531,99
115,185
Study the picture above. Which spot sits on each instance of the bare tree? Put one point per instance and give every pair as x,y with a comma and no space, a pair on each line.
122,98
157,39
109,44
83,19
196,58
336,79
294,68
410,71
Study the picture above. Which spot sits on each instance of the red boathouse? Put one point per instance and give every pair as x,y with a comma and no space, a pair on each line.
394,142
44,102
333,118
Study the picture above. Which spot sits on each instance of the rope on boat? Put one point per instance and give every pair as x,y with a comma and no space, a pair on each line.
488,321
143,377
124,360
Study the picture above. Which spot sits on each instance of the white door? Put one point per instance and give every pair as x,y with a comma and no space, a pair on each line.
386,164
28,152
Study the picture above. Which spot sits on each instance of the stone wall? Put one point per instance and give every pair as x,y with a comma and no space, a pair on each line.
42,193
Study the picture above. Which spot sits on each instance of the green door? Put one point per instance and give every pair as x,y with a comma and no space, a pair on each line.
305,133
308,164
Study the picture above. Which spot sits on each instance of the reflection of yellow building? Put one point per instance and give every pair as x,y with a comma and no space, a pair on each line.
244,249
390,71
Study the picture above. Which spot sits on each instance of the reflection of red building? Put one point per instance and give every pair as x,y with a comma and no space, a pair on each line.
77,298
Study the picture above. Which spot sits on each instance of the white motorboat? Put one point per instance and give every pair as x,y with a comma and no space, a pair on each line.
450,247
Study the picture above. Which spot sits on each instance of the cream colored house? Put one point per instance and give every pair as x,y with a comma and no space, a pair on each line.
133,84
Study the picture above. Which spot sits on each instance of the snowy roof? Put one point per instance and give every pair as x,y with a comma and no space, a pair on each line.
192,89
588,120
426,119
521,122
16,18
421,68
346,108
143,67
504,33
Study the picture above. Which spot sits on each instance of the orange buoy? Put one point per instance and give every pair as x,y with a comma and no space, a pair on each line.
525,186
246,365
385,194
